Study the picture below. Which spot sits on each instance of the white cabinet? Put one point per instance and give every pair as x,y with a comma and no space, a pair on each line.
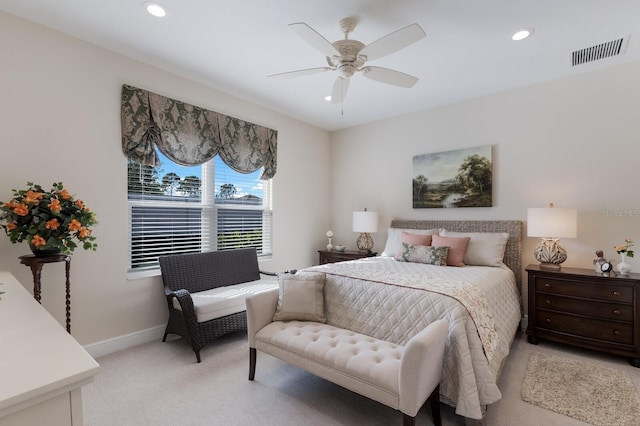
42,367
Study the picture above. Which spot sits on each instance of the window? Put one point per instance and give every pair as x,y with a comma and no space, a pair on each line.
178,209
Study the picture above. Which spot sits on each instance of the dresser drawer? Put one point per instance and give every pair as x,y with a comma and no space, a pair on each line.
605,310
614,293
585,327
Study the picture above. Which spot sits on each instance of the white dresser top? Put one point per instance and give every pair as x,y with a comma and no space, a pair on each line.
38,358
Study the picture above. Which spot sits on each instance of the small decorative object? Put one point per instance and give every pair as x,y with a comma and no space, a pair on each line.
624,251
550,224
329,236
365,222
339,248
50,221
600,261
602,265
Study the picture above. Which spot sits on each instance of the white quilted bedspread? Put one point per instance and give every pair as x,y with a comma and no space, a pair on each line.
356,298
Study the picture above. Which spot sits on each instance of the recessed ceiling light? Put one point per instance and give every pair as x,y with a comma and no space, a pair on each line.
522,34
155,9
327,98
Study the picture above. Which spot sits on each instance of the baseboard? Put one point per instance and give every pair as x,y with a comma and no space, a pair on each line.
127,341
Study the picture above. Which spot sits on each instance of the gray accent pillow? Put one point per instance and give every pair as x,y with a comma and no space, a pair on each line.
423,254
300,297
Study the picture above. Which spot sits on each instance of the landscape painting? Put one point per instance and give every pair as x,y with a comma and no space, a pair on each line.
461,178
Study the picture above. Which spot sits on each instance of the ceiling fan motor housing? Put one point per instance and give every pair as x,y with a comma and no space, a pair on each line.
349,61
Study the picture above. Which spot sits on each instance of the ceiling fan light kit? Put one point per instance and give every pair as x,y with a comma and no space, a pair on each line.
349,56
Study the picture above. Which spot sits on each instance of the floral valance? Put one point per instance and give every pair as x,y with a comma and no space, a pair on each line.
191,135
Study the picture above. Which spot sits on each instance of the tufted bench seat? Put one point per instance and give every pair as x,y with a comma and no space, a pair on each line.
401,377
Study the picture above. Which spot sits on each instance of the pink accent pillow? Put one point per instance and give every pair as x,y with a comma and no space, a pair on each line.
416,239
457,248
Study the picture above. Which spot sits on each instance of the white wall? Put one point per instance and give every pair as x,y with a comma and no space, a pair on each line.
574,142
60,120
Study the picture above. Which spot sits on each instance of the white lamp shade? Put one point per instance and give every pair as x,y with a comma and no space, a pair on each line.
365,221
552,222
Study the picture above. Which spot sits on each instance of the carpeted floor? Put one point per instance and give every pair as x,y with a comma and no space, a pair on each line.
598,395
160,384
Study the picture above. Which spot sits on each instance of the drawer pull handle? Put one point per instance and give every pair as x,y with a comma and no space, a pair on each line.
548,320
547,285
616,332
616,293
548,302
616,312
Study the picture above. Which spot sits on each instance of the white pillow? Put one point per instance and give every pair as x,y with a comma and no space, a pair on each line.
300,297
484,249
394,239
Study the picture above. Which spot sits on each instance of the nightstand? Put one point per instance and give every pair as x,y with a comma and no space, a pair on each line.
583,308
333,256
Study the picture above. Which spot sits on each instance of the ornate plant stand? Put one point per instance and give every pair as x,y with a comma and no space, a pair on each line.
36,263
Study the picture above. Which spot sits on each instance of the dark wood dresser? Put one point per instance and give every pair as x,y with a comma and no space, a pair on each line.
584,308
332,256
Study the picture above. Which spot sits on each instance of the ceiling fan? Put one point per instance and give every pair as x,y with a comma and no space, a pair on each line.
349,56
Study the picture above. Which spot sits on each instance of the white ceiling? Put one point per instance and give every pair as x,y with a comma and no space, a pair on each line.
233,45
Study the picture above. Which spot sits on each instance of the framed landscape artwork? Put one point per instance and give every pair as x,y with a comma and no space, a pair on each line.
461,178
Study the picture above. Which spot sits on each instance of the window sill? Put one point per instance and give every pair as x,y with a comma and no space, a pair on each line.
147,273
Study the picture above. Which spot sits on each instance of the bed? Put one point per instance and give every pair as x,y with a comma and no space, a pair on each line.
394,300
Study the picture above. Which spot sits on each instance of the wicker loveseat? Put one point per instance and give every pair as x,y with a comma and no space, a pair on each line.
206,293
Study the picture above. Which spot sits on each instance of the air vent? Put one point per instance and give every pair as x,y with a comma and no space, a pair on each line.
597,52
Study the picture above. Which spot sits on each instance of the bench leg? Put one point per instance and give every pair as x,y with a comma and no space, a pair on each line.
252,363
434,402
407,420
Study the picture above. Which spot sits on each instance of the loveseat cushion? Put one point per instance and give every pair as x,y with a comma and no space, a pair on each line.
222,301
355,355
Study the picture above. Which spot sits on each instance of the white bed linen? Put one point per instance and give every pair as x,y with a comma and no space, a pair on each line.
396,313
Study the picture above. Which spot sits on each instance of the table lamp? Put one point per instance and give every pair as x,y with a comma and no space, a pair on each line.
365,222
550,224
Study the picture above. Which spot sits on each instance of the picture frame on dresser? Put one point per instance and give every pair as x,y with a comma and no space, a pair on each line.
584,308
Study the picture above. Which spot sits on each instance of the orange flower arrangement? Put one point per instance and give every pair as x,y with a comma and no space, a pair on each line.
625,248
48,219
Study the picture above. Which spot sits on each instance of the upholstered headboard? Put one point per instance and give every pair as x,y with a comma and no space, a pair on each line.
512,253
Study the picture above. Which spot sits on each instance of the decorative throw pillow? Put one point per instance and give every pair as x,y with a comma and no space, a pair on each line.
423,254
394,239
416,239
300,297
485,248
457,247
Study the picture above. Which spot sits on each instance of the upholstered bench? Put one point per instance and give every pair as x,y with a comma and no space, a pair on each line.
206,293
401,377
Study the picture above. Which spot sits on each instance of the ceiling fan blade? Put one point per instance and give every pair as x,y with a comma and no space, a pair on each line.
314,38
393,42
340,88
385,75
300,73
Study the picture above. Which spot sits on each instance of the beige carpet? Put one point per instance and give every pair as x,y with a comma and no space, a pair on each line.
597,395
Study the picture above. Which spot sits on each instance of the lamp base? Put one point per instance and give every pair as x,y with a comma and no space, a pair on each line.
550,266
550,253
365,242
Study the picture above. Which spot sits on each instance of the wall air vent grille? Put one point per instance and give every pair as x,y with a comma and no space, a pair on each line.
597,52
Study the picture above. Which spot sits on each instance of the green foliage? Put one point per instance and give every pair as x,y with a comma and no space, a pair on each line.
227,190
190,185
475,173
143,179
229,240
